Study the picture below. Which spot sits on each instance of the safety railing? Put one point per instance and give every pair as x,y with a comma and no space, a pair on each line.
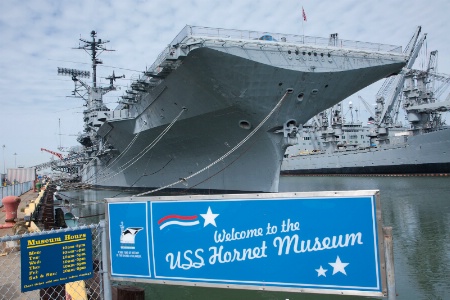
281,37
15,189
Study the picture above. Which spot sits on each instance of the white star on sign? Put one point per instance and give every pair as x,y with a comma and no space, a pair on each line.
339,266
321,272
209,217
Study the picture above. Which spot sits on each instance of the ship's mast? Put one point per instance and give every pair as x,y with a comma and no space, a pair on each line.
96,111
94,48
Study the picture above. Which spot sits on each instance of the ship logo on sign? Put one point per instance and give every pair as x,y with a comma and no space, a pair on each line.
128,235
179,220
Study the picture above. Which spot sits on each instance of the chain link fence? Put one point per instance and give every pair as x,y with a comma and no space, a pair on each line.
10,268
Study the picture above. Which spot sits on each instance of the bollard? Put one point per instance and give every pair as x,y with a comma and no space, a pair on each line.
11,203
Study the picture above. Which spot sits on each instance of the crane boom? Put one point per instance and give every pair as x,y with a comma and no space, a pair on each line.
432,62
400,79
367,106
59,155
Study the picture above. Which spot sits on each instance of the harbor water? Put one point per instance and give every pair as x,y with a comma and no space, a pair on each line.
418,209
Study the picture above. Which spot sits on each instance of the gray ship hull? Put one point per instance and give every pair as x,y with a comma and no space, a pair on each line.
426,153
223,93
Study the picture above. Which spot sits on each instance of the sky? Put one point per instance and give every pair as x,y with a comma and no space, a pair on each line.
38,36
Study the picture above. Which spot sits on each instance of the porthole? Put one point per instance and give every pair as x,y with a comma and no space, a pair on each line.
300,97
244,124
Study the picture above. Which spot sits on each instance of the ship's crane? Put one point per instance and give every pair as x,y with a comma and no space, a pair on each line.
445,82
435,78
422,91
367,106
59,155
423,96
432,62
386,117
432,68
386,87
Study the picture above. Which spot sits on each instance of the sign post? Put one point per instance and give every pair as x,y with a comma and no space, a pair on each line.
322,242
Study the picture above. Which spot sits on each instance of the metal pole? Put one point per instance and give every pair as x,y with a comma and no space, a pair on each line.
4,161
389,257
106,282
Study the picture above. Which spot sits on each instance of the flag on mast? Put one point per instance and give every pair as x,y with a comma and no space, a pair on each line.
303,14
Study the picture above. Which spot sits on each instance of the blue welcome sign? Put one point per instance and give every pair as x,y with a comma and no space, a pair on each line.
326,242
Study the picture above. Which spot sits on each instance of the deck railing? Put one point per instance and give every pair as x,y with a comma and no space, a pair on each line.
15,189
281,37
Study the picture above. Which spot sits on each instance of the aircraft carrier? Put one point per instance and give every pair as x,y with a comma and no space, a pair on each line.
218,108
